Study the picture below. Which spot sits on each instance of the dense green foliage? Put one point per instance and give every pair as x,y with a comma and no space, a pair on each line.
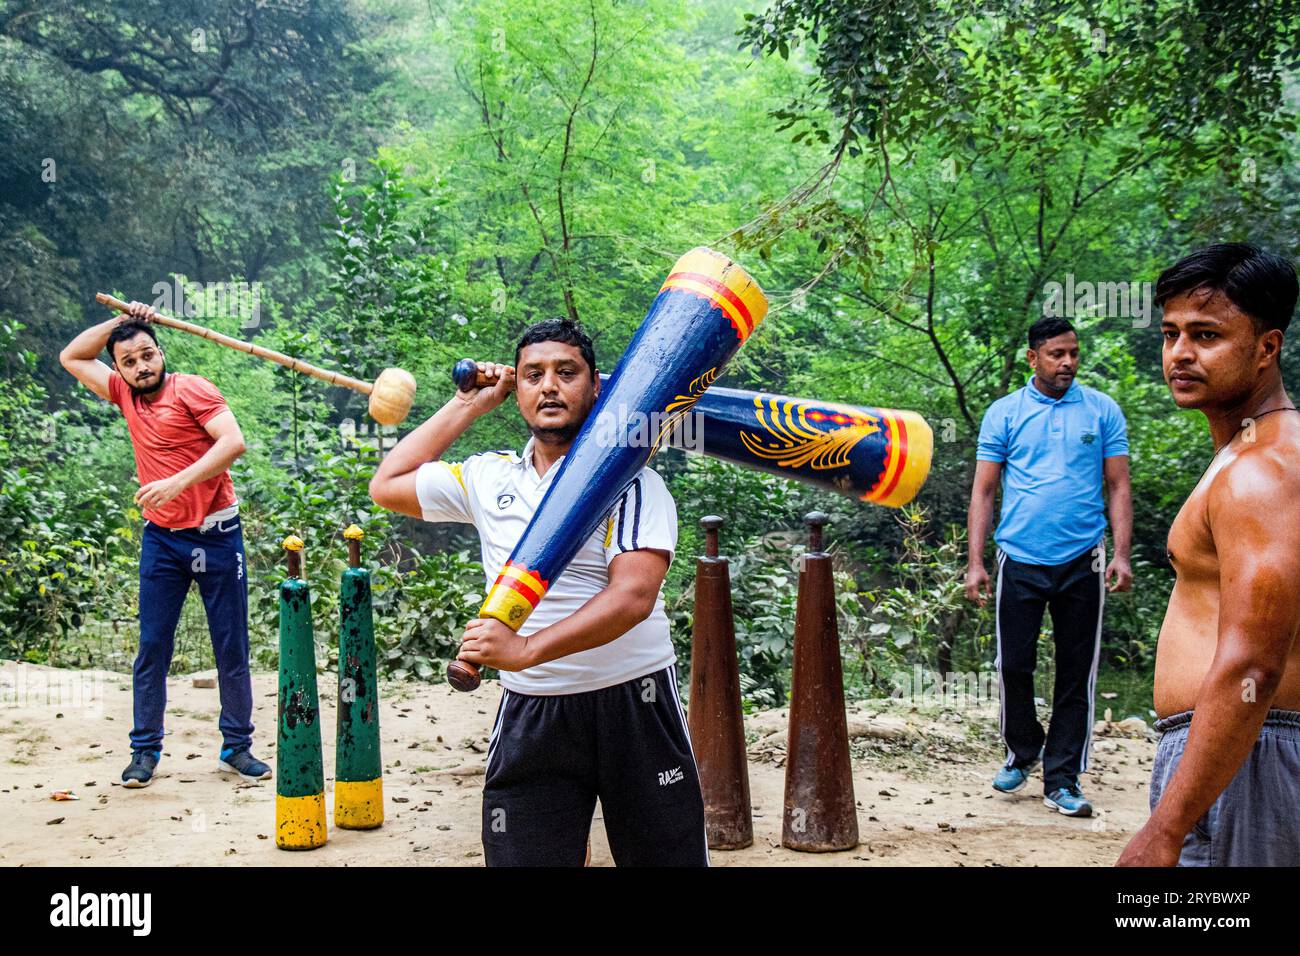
411,182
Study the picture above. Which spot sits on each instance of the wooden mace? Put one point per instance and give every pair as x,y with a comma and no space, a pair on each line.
391,394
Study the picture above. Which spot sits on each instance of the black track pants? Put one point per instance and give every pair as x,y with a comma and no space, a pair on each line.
1074,593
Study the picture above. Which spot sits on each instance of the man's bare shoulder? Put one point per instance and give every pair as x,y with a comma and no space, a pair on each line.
1263,475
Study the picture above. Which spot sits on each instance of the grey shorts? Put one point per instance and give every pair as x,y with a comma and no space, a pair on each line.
1256,820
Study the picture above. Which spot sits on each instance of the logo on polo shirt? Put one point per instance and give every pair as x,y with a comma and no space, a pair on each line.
1088,438
505,501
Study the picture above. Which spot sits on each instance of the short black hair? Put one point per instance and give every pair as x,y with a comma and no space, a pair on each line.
1048,328
1259,283
125,331
559,330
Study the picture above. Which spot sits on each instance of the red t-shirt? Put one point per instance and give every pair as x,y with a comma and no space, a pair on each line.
167,435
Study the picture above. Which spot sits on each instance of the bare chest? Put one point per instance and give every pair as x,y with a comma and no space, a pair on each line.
1190,544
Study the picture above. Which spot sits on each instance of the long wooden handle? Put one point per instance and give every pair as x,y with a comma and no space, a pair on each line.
288,361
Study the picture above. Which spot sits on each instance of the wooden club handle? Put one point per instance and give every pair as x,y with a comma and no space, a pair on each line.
288,361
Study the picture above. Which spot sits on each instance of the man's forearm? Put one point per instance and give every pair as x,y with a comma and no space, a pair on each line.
90,342
429,442
1223,731
1120,507
605,618
978,519
223,453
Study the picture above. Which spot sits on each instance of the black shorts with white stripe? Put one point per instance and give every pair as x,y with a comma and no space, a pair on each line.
551,757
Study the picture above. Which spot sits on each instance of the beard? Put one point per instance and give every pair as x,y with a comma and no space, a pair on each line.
562,434
556,435
150,389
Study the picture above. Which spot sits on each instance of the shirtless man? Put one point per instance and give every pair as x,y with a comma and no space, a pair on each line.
1224,785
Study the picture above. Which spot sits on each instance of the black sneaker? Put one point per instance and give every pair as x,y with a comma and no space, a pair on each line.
245,764
139,772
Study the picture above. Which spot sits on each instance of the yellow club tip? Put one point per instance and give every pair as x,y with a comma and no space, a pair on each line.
292,543
740,286
354,533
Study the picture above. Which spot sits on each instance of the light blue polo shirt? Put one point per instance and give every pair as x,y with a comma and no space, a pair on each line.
1051,451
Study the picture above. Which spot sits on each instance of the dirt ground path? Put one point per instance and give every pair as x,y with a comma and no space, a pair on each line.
921,779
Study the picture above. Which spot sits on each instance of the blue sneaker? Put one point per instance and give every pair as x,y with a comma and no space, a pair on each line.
1070,801
243,763
139,772
1013,779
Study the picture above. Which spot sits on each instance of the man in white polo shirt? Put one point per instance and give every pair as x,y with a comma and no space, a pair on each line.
589,707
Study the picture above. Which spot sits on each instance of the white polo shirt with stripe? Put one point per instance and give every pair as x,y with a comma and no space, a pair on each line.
498,492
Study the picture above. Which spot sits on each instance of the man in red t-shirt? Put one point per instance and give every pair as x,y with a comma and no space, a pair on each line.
185,438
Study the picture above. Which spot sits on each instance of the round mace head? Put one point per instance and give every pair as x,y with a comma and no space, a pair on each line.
292,543
391,396
353,533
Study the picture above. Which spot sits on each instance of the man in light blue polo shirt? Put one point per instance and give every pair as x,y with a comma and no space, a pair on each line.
1051,445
